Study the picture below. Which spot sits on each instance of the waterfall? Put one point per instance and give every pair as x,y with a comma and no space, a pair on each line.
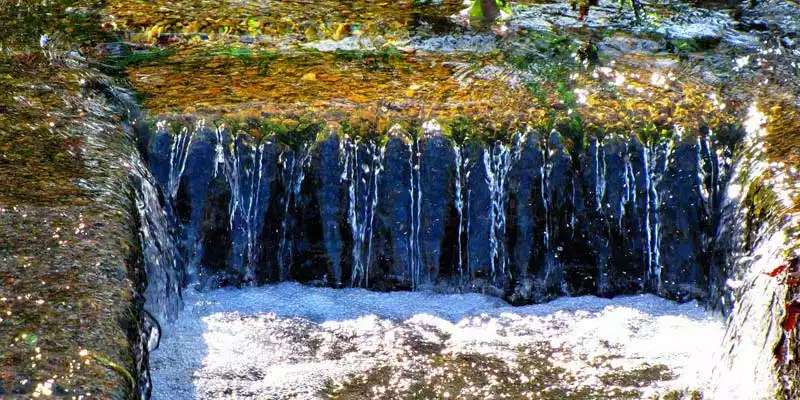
415,192
179,153
377,168
363,200
543,179
293,163
305,228
629,194
254,214
161,261
600,175
748,368
466,212
572,211
219,149
701,171
243,165
245,205
459,204
496,162
651,220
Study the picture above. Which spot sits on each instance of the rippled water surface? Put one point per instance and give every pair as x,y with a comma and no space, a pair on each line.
291,341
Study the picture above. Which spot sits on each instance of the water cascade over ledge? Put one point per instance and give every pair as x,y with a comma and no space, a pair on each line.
531,218
542,215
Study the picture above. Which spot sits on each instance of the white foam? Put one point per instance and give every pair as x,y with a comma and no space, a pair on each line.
287,339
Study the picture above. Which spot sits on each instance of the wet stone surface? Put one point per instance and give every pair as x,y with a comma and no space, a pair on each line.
68,279
358,68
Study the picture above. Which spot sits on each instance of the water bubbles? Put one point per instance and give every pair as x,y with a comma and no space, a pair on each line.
755,122
657,79
582,95
741,62
471,339
44,389
44,40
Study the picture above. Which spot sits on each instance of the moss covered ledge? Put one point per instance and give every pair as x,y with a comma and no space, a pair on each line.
69,263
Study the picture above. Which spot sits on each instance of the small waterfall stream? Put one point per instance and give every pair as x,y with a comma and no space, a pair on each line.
362,180
178,155
292,164
162,264
651,220
497,162
529,220
530,217
415,194
600,175
459,204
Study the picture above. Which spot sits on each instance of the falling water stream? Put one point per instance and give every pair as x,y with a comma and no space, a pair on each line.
497,163
293,164
362,177
639,179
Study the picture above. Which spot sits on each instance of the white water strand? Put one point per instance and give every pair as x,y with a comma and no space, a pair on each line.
377,168
253,211
351,175
600,176
544,170
163,293
701,172
293,163
179,153
629,196
651,218
219,150
415,191
625,198
459,203
244,179
246,205
468,224
361,217
496,162
231,172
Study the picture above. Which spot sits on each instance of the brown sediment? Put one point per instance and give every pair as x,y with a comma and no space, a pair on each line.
68,249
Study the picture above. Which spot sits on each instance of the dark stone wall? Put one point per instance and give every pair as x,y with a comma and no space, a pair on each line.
546,215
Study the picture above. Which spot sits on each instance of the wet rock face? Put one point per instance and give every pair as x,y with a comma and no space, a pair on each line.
529,220
436,170
331,195
396,211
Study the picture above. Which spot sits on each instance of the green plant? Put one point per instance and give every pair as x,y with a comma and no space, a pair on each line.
142,57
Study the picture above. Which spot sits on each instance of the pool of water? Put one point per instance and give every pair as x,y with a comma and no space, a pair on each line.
293,341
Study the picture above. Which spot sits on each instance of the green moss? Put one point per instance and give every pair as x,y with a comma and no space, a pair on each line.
459,130
291,133
116,368
762,208
650,134
142,57
70,22
385,54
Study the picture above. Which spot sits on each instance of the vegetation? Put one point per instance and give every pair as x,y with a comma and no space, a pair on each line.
488,10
